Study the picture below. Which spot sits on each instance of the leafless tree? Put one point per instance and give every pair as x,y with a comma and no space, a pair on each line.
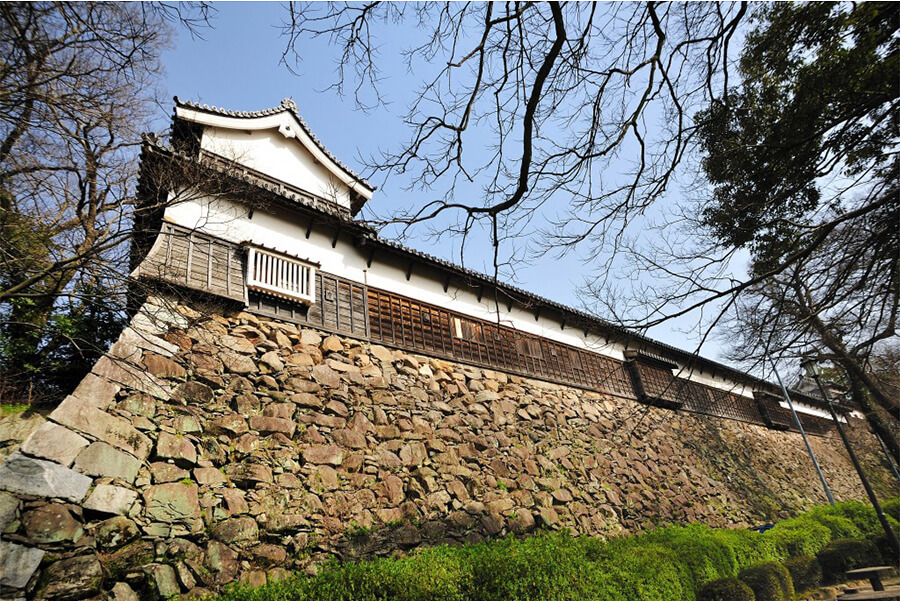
593,106
563,89
843,300
78,84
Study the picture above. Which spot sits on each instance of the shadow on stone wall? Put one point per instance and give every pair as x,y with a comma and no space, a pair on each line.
212,447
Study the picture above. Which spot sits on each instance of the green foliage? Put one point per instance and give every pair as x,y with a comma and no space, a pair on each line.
847,554
770,581
12,408
806,573
817,80
51,348
726,589
891,508
667,564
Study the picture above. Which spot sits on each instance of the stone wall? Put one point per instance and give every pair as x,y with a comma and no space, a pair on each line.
208,448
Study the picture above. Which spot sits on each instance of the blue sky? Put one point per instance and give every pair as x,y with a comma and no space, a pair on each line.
237,66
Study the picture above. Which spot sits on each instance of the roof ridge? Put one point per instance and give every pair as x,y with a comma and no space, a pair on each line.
289,106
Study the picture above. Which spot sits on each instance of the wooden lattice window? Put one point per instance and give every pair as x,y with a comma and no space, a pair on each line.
468,331
281,276
529,347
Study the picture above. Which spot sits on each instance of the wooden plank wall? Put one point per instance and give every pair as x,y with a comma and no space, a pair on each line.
340,307
660,383
407,324
194,260
404,323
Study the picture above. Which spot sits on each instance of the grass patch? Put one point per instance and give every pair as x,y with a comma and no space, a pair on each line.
667,564
13,408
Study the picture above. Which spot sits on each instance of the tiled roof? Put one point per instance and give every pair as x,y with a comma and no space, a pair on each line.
513,292
535,300
253,178
287,105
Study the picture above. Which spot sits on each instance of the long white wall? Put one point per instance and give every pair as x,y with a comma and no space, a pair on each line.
282,231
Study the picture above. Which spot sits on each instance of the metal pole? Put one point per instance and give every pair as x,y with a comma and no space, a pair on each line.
809,450
888,456
892,538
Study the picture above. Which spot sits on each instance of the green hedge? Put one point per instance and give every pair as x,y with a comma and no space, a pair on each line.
806,573
847,554
726,589
667,564
769,580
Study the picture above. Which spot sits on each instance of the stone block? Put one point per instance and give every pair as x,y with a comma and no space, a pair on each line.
98,391
28,476
273,360
54,442
172,502
51,524
176,448
107,498
80,415
156,316
247,475
163,472
162,580
18,564
73,578
122,592
323,454
238,364
222,561
272,425
195,392
236,530
101,459
146,341
326,376
210,476
9,510
125,374
163,367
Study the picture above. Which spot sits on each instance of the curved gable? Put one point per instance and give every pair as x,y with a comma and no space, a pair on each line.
278,143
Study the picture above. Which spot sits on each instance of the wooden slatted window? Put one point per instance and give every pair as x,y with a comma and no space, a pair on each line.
281,276
405,323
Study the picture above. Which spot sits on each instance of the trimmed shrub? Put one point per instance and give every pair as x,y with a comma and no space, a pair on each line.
861,514
891,507
769,580
667,564
799,536
848,554
885,549
726,589
805,571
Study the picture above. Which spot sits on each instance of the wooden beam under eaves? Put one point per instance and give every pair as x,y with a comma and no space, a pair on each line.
446,283
480,293
309,227
371,257
334,239
537,313
409,269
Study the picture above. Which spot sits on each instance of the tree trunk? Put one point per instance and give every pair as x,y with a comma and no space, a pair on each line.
879,424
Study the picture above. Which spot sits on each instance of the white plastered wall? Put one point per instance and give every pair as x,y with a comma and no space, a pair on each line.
283,158
281,231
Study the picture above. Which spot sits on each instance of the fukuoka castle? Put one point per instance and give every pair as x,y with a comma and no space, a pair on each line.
251,210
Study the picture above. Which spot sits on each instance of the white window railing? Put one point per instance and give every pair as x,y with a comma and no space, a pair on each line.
281,276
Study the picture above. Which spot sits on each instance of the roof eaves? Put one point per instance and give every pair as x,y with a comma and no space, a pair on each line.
287,105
